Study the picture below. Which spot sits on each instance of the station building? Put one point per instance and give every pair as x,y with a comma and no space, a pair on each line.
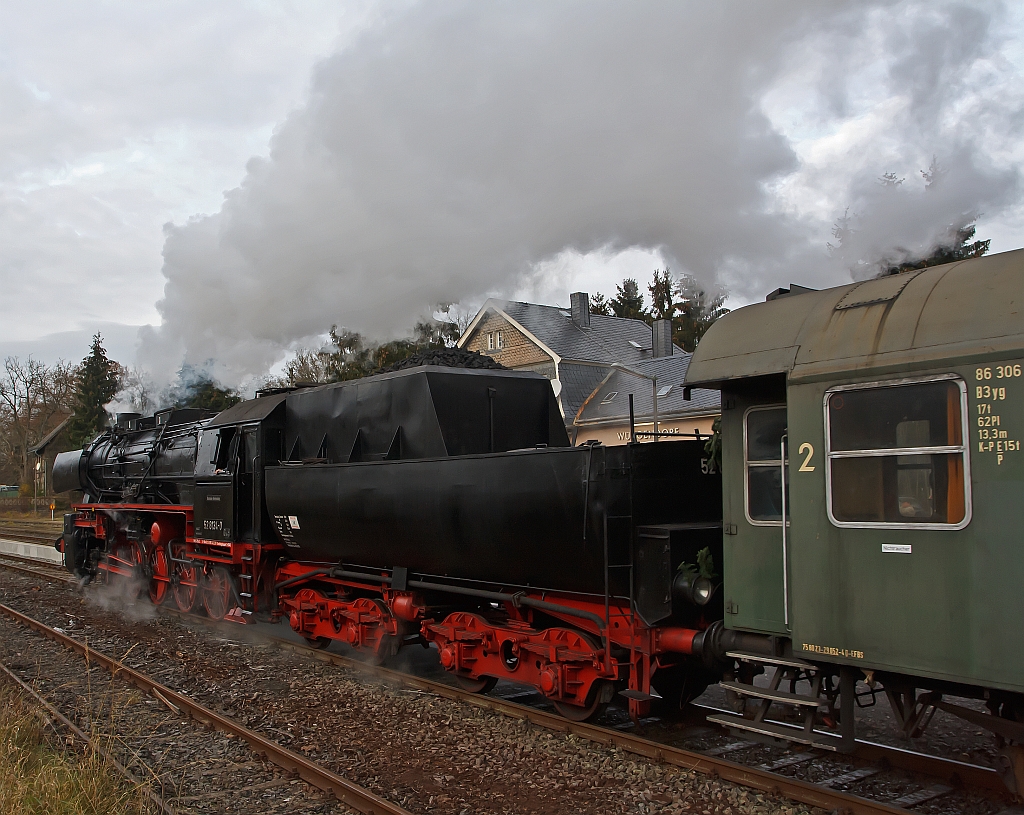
594,363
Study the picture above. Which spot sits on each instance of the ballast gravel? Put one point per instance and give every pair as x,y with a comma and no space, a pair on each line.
426,753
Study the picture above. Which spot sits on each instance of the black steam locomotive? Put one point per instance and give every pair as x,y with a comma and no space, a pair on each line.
431,505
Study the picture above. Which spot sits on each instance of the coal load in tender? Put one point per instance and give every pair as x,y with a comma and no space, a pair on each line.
447,358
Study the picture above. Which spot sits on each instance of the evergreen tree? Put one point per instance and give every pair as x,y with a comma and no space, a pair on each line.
598,305
686,303
98,380
197,389
958,246
629,302
208,395
662,291
698,312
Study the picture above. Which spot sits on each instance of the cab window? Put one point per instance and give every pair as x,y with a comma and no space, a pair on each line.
896,454
763,430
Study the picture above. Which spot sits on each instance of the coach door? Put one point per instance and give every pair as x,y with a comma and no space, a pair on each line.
756,545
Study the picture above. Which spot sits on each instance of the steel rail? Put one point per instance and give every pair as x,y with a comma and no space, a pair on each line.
345,791
28,537
55,578
945,769
82,736
956,772
755,778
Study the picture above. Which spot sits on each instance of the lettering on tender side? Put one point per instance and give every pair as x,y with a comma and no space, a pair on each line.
996,390
285,528
829,651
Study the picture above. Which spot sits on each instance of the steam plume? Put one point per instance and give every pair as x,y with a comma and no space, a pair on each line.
456,147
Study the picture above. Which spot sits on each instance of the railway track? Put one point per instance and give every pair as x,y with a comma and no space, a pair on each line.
58,721
944,776
345,791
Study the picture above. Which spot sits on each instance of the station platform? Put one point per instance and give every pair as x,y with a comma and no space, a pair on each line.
36,550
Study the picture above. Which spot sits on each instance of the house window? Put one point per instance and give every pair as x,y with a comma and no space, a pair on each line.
498,343
763,431
609,398
897,456
490,340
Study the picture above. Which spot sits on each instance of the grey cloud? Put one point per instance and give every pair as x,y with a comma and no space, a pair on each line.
118,117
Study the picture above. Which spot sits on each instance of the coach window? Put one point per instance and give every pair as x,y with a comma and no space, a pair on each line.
763,429
897,456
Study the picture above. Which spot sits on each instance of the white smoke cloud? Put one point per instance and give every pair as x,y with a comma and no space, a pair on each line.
456,149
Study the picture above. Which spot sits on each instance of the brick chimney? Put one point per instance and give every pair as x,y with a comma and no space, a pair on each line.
580,307
662,339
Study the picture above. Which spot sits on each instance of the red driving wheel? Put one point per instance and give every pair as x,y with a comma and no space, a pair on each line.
185,584
217,594
160,565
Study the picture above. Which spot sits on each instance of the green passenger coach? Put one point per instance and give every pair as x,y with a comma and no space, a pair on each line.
873,509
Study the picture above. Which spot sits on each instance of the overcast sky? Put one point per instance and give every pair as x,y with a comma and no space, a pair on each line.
239,177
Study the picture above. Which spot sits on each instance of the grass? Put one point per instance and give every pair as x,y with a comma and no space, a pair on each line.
39,777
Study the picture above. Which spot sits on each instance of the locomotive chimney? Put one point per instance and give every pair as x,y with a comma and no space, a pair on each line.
580,308
662,338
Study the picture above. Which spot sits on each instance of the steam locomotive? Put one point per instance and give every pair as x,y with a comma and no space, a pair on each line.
866,518
430,505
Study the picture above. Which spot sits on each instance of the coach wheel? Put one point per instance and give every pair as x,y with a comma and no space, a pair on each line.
593,708
217,592
185,583
160,565
484,685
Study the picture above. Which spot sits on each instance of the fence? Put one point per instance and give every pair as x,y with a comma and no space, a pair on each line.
40,505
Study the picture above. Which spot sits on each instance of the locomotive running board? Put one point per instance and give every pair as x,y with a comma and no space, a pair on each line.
777,732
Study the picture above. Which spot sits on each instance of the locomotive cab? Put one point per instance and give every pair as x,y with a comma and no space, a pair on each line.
233,450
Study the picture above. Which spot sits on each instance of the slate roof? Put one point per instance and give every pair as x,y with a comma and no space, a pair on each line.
578,382
670,371
606,342
607,339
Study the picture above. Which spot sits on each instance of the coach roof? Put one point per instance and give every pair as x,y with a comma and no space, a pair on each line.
971,307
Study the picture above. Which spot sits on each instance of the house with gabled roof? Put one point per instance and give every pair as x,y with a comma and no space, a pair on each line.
574,348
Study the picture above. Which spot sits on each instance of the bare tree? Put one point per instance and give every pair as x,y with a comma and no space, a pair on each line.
136,392
34,399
